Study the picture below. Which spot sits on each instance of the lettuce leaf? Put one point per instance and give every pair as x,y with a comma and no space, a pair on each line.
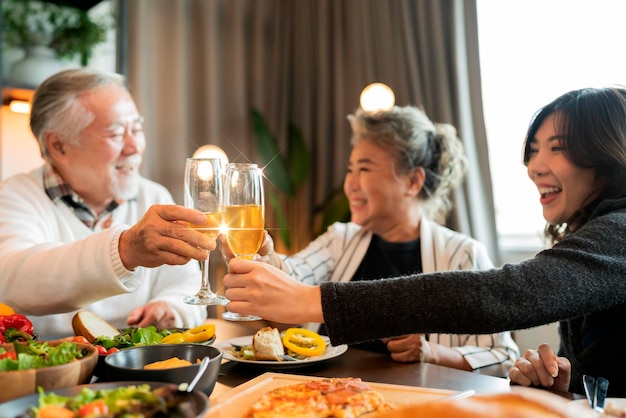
35,355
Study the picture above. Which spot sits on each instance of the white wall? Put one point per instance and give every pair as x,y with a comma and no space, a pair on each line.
532,337
19,151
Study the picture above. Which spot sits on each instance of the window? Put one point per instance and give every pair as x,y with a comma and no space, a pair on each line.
532,51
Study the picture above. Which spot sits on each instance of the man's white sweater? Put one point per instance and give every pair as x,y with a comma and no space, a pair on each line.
52,265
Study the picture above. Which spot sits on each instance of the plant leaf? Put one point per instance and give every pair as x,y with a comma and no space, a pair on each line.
299,160
281,219
335,209
271,159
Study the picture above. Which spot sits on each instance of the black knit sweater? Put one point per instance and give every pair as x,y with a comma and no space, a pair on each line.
581,282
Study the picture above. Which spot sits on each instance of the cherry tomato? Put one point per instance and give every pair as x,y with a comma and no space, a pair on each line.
113,350
101,350
80,339
9,354
93,409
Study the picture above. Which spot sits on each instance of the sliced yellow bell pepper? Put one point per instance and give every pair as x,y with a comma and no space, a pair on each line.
200,333
194,335
304,342
174,338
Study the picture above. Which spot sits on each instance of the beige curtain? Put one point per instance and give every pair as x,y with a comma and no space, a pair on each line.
197,67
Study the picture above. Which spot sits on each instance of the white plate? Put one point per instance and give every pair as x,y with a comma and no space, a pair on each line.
330,352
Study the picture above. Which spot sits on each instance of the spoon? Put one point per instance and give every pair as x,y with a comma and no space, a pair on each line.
188,387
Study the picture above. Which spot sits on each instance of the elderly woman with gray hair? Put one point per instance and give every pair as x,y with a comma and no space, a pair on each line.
401,171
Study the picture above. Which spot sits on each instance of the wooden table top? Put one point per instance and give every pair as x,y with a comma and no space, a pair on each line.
372,367
367,365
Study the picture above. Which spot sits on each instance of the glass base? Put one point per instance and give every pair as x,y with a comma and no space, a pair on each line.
201,298
232,316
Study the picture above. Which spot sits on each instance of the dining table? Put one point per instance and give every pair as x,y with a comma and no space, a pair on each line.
371,367
368,365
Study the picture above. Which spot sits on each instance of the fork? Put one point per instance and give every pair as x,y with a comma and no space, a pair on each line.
283,357
595,390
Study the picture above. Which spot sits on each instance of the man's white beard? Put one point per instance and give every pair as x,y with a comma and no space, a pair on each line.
126,187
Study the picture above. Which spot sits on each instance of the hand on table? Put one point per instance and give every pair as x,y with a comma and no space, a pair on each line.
542,367
409,348
415,347
162,237
158,313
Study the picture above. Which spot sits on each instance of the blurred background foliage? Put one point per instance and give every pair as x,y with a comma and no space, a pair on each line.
287,171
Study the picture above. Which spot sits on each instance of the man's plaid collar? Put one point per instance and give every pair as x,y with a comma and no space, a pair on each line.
57,189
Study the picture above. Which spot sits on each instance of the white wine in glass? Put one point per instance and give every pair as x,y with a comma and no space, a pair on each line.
244,216
203,191
246,235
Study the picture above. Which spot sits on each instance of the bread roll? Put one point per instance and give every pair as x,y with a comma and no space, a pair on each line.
92,326
519,403
267,344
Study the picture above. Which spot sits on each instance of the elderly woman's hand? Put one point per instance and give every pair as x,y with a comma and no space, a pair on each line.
264,290
542,367
265,254
409,348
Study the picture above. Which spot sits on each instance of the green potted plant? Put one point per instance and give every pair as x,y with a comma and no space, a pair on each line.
287,171
57,31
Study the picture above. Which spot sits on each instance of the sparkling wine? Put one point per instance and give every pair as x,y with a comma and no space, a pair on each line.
212,225
245,229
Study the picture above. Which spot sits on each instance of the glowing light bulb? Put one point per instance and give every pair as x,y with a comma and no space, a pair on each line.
211,151
205,171
19,106
377,97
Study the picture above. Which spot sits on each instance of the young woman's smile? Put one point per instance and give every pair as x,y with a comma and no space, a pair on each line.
563,187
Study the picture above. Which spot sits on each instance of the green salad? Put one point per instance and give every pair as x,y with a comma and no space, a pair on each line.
124,401
36,354
131,337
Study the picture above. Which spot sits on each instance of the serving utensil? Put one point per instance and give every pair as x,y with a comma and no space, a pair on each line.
189,387
595,390
458,395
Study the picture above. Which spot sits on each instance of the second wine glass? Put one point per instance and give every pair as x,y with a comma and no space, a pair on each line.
244,215
203,191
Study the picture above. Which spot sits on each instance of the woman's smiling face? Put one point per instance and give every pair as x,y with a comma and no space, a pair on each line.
379,197
563,187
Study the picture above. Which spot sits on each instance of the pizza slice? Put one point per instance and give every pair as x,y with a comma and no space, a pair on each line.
335,397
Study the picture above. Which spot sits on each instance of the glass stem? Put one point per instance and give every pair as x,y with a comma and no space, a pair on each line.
205,287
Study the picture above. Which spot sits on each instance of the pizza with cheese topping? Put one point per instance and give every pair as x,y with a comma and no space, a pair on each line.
327,398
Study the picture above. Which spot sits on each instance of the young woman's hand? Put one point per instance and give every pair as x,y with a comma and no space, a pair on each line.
261,289
542,367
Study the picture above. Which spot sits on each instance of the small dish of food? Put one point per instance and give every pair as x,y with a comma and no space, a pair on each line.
91,328
271,349
25,366
172,363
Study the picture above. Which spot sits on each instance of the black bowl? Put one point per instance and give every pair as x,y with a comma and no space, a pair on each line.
100,371
129,364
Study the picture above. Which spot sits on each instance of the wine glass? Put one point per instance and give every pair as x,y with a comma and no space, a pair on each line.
203,191
243,216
